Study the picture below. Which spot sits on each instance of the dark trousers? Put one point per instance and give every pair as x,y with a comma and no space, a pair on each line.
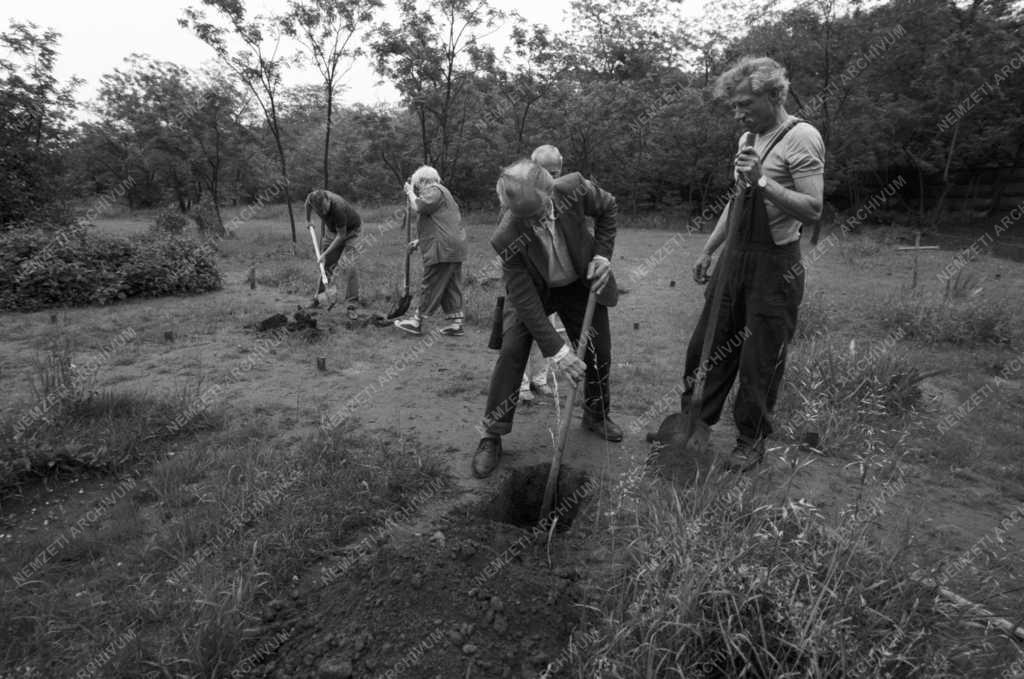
570,303
441,287
763,289
349,266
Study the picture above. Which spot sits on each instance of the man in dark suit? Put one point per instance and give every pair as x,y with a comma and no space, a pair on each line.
549,263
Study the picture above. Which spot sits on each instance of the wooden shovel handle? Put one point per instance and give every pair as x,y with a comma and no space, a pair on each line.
316,248
570,401
732,224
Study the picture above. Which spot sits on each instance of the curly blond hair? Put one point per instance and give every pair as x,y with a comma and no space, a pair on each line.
763,73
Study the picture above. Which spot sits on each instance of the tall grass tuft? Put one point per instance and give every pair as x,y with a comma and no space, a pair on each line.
84,429
847,392
814,318
959,315
719,580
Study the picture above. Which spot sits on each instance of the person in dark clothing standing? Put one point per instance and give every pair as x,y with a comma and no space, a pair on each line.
339,227
782,178
441,239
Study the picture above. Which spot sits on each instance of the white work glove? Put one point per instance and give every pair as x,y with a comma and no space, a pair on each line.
573,367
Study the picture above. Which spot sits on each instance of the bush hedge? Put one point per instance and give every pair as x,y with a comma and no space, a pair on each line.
41,268
170,221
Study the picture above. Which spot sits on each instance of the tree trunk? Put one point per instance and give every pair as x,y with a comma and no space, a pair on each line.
287,183
218,224
327,132
423,134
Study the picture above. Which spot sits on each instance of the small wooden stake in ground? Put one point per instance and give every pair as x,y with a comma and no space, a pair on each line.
321,363
169,335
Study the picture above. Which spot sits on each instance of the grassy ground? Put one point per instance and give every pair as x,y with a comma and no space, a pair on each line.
159,513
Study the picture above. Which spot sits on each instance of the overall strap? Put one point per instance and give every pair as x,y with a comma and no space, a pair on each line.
789,126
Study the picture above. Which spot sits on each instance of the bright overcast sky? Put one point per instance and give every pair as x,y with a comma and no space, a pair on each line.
96,36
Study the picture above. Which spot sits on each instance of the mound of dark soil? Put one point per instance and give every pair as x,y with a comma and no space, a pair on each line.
476,598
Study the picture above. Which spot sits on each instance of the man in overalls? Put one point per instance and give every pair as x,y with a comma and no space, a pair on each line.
782,177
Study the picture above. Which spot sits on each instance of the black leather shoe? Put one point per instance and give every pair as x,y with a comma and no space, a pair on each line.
604,428
486,457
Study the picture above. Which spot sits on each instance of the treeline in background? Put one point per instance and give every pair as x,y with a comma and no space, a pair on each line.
926,92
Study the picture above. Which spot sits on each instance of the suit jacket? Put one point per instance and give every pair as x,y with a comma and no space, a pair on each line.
524,258
439,229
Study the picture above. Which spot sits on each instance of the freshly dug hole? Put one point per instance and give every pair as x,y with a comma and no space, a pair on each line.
519,499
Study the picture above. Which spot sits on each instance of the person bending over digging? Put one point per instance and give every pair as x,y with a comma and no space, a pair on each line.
441,239
782,174
339,227
550,261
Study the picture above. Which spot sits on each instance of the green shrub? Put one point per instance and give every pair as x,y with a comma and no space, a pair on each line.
41,268
207,219
170,221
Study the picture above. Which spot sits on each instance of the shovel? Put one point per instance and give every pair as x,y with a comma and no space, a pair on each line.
563,430
403,304
684,432
330,294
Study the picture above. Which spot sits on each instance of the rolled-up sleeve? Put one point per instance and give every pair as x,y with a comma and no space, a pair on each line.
806,157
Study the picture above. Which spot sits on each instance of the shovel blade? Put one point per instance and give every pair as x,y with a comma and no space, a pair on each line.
682,447
681,430
400,308
328,297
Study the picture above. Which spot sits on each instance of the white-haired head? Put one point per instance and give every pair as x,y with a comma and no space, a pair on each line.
763,74
524,188
548,157
425,176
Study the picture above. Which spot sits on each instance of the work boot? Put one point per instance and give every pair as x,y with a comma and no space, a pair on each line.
745,455
486,457
603,427
454,328
413,325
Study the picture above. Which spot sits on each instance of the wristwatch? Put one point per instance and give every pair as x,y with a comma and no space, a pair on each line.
762,182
